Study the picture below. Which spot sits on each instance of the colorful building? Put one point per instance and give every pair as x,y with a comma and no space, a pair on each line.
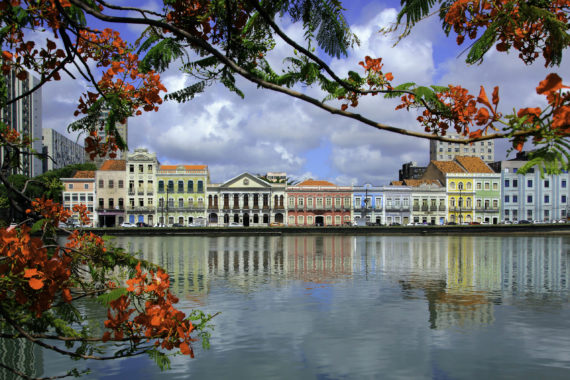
141,171
397,209
428,199
111,193
246,200
319,203
181,194
367,205
80,189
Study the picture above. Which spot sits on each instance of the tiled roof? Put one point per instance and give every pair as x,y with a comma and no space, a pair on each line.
396,183
418,182
448,167
84,174
312,182
473,164
114,165
187,167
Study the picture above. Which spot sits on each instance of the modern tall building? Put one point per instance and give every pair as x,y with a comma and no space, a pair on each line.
60,150
444,151
25,116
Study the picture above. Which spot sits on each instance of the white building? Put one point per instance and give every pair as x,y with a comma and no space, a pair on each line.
25,116
61,150
444,151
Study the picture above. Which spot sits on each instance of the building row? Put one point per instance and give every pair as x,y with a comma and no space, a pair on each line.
463,190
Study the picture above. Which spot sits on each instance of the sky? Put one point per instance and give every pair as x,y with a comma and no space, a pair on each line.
268,131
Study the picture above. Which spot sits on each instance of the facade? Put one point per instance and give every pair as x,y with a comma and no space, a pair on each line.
368,205
60,150
472,187
181,194
530,196
429,199
397,207
111,193
80,189
246,200
141,170
319,203
25,116
444,151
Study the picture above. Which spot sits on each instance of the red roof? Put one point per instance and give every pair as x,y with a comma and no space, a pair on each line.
312,182
84,174
114,165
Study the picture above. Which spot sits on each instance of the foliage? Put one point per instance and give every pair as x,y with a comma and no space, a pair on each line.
215,41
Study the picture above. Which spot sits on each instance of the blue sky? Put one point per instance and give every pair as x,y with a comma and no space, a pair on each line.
268,131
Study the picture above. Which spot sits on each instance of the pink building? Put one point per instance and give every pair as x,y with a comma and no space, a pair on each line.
80,189
318,203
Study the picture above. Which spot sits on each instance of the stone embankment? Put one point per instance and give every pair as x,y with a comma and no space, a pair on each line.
526,229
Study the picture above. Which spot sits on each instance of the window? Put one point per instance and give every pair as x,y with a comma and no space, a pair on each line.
329,220
547,199
170,188
121,184
180,186
479,203
337,220
357,202
131,168
452,185
378,203
111,184
469,186
346,202
515,198
149,201
515,183
161,186
291,220
529,183
460,186
180,202
90,198
190,186
487,186
495,203
546,183
141,202
507,183
70,186
529,214
300,219
529,199
309,204
507,199
337,202
329,202
200,186
81,197
495,186
101,184
478,186
149,168
301,201
563,200
291,202
319,202
310,219
141,168
86,186
563,183
170,202
101,202
111,202
161,202
74,197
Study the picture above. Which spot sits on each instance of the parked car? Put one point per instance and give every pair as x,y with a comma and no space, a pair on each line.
128,225
234,224
142,224
451,224
395,224
474,223
177,225
524,222
159,225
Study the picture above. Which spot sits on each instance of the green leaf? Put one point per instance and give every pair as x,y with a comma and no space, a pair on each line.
483,44
187,93
160,56
37,226
106,298
160,358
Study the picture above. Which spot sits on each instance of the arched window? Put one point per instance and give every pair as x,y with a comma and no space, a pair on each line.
160,186
469,185
170,186
452,185
460,186
190,186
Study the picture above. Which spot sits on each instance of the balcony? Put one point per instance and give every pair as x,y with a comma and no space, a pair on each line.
441,208
487,209
141,209
433,208
131,192
416,208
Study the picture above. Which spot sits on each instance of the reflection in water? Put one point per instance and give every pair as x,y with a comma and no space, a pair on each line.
307,307
461,276
20,355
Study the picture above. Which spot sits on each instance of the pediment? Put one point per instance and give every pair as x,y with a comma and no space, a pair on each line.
245,181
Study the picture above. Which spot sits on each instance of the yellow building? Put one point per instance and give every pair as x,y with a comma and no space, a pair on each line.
181,195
